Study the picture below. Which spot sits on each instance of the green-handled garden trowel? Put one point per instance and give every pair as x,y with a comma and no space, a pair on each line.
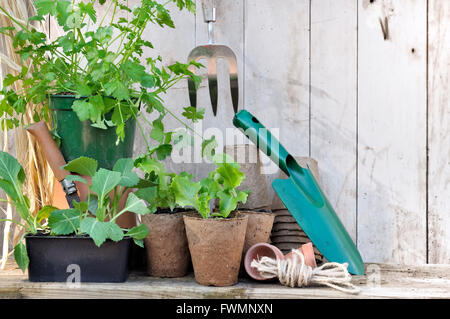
304,199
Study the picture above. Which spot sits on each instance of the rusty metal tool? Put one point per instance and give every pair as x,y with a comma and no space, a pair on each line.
212,52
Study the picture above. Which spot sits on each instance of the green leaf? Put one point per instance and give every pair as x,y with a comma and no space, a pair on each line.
117,89
125,167
150,195
21,256
133,70
232,176
115,233
157,132
147,81
209,148
163,151
85,110
76,178
64,222
104,181
185,191
98,231
227,204
44,213
45,7
138,232
89,10
139,242
93,204
136,205
149,165
194,114
82,165
11,170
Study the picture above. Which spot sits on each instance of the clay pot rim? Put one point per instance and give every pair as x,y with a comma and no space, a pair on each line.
194,215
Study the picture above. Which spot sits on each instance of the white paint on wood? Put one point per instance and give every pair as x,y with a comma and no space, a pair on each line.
439,131
277,69
392,133
333,103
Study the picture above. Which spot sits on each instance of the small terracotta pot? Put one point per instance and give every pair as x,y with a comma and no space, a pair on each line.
266,250
216,248
258,251
166,245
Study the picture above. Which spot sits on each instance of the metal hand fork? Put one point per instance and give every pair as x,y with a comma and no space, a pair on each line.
211,52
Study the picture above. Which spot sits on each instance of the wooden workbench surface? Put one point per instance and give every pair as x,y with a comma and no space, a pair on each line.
381,281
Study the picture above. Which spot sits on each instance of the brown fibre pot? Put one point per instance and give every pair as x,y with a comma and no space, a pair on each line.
259,227
166,245
216,247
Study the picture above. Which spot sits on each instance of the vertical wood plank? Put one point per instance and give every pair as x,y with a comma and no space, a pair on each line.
333,103
392,131
439,131
277,68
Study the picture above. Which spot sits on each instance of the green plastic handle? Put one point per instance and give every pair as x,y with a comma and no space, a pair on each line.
262,138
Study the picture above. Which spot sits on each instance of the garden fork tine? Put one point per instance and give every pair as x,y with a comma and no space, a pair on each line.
212,52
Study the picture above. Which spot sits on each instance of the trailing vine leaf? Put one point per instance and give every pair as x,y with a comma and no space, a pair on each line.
194,114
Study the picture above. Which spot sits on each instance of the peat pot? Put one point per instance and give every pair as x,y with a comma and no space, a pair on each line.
216,247
82,139
73,258
166,245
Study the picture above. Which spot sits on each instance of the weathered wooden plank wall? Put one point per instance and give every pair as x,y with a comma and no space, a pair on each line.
438,131
366,99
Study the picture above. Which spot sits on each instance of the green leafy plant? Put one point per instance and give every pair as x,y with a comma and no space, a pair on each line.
95,217
82,62
221,184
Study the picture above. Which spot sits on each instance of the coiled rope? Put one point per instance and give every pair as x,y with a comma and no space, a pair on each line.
293,272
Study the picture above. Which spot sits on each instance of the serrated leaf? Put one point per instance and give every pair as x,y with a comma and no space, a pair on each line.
193,114
64,222
85,110
133,70
117,89
138,232
157,132
163,151
82,165
185,191
21,256
227,204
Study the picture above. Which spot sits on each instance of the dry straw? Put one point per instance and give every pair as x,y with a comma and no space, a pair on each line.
39,183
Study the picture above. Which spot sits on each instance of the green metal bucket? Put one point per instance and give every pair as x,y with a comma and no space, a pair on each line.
81,139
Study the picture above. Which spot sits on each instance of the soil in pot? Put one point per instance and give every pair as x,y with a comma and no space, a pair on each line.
166,246
216,247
